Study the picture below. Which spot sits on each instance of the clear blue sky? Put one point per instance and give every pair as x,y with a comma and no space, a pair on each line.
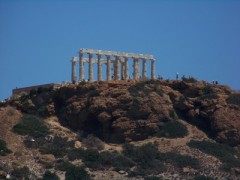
200,38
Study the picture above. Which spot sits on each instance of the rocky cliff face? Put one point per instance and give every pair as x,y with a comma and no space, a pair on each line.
125,111
119,112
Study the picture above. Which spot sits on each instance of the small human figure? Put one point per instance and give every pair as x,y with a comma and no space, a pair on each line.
177,76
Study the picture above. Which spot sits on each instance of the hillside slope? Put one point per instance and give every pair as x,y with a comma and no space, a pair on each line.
122,130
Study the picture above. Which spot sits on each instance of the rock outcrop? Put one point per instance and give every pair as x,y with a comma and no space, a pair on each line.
127,110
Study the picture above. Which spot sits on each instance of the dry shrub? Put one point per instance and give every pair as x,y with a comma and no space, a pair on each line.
92,142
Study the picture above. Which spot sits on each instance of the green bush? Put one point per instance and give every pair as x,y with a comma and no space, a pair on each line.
93,93
136,100
173,129
152,178
202,177
92,142
118,161
179,160
208,93
150,161
146,157
32,126
32,92
91,158
134,89
173,114
76,154
189,80
64,166
21,173
140,86
224,152
82,83
143,154
50,176
3,148
75,172
104,160
58,147
234,99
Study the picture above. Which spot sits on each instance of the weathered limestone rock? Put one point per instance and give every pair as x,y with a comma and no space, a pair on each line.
77,144
104,117
47,158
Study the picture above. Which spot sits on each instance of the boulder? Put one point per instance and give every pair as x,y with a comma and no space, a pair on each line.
77,144
47,158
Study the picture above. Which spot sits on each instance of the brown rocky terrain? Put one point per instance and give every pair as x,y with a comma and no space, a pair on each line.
170,125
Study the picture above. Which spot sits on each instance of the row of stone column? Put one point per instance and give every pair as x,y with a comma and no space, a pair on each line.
123,61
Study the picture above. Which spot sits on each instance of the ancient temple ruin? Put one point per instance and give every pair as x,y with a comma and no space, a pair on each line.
119,60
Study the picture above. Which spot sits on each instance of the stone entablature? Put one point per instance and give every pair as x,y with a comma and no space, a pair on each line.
119,61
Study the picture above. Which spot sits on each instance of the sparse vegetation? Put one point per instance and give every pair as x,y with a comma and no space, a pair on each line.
146,158
93,93
208,93
50,176
152,178
32,92
64,166
136,88
76,172
76,154
136,100
153,85
229,156
3,148
172,129
180,160
150,161
58,147
82,83
234,99
32,126
189,80
21,173
173,114
202,177
104,160
92,142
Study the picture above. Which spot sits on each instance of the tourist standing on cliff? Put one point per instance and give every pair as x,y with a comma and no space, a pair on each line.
177,76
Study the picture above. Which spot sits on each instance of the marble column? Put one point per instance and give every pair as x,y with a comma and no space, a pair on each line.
81,67
152,69
138,68
135,68
99,67
126,67
116,68
123,70
74,77
108,68
90,71
144,69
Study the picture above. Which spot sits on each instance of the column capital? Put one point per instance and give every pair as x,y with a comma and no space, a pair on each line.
90,55
107,56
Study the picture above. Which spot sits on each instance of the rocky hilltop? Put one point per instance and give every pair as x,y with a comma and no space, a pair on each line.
153,129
